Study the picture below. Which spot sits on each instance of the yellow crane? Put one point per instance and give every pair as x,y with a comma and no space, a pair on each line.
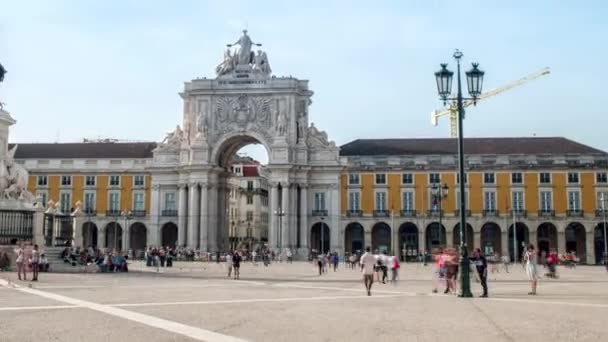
452,110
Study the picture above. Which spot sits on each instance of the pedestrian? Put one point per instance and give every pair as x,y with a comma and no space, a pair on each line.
229,263
20,262
394,269
382,263
451,269
438,269
481,264
170,256
530,258
334,261
236,263
368,263
34,259
320,263
505,262
162,256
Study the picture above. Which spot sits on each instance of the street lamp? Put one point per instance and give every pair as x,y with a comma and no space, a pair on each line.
444,88
440,192
280,213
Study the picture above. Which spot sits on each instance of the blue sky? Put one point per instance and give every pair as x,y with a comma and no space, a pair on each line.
112,69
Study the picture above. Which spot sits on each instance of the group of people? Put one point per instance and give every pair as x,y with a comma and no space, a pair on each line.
28,260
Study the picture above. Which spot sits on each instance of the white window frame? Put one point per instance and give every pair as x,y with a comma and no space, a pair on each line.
143,200
247,199
413,200
46,181
376,207
320,201
466,177
358,177
485,198
65,206
598,202
522,178
578,177
376,178
597,176
110,200
67,177
435,173
352,194
578,200
110,181
89,192
523,200
550,178
493,178
411,175
45,196
174,207
466,197
143,181
540,199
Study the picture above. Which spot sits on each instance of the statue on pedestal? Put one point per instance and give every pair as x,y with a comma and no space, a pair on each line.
244,55
243,60
13,179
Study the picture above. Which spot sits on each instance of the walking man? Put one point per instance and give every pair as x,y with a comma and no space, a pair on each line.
236,263
481,264
35,259
368,261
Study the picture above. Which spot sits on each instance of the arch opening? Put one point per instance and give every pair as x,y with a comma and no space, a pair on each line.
319,238
521,240
576,240
381,238
114,236
491,239
408,242
138,237
546,235
354,238
435,236
89,234
168,235
470,237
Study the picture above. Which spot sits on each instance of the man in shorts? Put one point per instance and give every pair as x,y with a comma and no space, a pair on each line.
236,264
368,261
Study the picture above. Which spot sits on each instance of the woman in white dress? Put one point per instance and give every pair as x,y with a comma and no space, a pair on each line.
531,259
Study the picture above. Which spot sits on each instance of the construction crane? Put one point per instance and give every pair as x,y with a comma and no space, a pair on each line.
452,110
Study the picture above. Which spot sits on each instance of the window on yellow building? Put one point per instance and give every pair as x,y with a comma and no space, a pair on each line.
488,178
601,178
89,180
380,178
65,199
354,201
517,199
489,200
408,201
602,200
114,180
545,178
381,201
572,177
114,202
66,180
138,201
545,201
466,178
574,200
407,178
516,178
41,197
138,180
353,179
89,202
434,178
42,181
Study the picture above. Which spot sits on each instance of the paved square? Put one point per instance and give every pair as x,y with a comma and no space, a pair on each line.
290,302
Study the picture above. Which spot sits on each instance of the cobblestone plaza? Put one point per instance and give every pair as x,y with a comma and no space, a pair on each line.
290,302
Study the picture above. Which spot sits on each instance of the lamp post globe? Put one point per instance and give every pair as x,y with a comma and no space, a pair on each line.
444,81
475,81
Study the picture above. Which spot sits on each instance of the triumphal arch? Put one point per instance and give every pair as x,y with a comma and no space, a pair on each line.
244,104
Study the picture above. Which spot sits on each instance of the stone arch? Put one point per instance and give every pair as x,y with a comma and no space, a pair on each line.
168,235
319,239
230,143
576,240
470,236
435,236
546,237
490,241
138,238
89,234
521,239
381,238
599,243
408,241
114,236
354,238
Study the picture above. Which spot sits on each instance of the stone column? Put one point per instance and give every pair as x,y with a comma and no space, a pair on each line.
274,206
561,241
293,218
126,242
533,239
204,215
193,218
77,222
504,241
476,241
334,217
153,236
285,221
38,226
304,229
421,241
394,237
182,216
212,219
101,237
590,247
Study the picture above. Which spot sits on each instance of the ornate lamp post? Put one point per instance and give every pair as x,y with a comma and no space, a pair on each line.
444,88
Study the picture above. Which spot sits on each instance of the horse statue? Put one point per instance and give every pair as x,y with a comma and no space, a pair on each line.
13,179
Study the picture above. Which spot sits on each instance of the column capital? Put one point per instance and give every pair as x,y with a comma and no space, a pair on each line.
274,184
192,184
182,186
304,186
155,186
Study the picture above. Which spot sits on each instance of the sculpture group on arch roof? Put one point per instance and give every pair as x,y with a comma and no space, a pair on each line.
243,58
